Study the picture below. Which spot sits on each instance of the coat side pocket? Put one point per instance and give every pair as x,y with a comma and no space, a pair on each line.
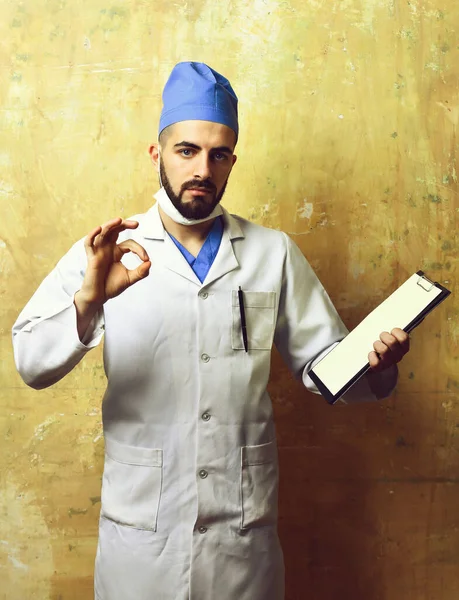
131,485
259,485
260,311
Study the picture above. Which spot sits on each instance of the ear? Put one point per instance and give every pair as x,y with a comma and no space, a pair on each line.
154,153
234,159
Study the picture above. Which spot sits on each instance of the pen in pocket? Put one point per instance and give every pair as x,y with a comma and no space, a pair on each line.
243,322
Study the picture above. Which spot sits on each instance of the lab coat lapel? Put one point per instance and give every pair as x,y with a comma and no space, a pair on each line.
174,260
167,253
226,260
171,257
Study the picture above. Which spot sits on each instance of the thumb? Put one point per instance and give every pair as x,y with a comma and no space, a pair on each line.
139,273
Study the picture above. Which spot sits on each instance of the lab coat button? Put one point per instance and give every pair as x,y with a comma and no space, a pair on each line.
204,295
202,529
205,416
205,357
203,474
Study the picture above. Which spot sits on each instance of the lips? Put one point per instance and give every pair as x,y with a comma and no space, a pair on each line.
199,191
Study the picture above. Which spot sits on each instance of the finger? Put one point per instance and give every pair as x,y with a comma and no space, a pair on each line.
135,247
109,225
89,240
383,354
388,351
396,349
380,348
402,337
111,229
374,360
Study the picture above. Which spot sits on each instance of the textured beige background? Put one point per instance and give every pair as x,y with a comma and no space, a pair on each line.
349,118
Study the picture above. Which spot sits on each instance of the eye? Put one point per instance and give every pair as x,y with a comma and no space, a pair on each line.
186,152
220,156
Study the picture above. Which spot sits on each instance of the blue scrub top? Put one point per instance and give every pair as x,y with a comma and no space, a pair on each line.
201,264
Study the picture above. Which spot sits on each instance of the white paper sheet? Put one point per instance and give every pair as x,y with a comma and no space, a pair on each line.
350,356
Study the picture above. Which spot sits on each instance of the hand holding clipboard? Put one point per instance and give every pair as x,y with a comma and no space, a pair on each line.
337,372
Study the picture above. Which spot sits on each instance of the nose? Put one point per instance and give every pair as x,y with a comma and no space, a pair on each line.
202,167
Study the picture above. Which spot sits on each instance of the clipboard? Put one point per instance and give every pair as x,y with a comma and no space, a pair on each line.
405,308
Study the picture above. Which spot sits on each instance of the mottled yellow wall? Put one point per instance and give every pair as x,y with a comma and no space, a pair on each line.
349,117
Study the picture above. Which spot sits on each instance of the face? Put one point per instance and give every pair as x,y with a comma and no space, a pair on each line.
196,159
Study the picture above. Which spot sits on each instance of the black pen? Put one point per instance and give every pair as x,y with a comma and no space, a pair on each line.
243,323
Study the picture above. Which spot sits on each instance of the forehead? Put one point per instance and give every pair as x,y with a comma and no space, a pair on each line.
202,133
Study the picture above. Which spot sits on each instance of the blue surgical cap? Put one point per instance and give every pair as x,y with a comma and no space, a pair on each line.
195,92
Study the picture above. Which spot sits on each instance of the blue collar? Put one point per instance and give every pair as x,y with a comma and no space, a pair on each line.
201,264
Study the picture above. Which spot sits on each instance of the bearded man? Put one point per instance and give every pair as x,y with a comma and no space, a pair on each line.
190,299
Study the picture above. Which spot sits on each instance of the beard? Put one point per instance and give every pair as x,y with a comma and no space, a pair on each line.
198,207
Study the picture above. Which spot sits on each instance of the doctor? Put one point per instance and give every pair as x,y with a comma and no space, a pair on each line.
190,483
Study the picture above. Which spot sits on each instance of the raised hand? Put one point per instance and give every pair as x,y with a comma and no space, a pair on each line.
106,276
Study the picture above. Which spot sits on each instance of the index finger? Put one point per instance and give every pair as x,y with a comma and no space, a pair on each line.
130,224
135,247
116,226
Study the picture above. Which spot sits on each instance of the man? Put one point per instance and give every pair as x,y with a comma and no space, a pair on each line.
189,494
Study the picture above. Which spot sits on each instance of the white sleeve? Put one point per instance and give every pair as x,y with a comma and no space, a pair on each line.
308,325
45,336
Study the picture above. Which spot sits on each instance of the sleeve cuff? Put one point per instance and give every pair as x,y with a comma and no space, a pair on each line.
65,315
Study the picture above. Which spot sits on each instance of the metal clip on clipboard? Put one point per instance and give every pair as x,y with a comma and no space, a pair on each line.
425,283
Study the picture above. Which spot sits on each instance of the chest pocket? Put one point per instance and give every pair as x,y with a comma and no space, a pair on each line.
260,312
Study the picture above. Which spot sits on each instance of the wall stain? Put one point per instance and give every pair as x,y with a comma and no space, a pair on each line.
76,512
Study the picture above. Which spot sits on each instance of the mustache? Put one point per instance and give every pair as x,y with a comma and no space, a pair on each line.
202,184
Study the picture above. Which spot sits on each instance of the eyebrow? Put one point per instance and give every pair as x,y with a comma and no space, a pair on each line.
185,144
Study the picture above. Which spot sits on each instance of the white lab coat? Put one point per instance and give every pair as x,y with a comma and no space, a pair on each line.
190,484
